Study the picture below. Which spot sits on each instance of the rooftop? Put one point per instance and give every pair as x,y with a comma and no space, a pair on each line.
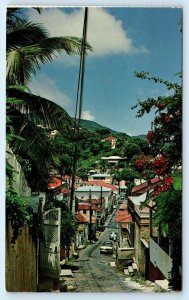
100,183
115,157
93,188
55,182
83,218
124,217
144,185
84,206
101,175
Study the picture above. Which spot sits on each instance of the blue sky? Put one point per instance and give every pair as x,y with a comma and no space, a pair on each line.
124,40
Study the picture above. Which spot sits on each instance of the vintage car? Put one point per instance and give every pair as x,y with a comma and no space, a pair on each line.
107,247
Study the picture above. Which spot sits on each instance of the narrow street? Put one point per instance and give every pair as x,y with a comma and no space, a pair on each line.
95,274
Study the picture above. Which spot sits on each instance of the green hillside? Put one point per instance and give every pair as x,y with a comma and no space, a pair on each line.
93,126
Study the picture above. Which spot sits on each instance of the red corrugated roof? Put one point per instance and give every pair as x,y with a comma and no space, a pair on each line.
144,185
86,207
93,201
55,182
70,177
65,191
124,218
110,138
123,206
83,218
100,209
100,183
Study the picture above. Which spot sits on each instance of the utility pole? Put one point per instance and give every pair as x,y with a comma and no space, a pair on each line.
90,217
101,194
79,102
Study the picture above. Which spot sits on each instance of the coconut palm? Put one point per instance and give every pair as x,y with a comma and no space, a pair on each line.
29,46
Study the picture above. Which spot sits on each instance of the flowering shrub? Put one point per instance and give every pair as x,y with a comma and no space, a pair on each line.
165,139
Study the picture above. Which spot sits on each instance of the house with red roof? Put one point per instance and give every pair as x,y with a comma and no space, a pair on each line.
97,192
87,214
100,209
143,187
60,192
125,250
68,180
83,232
112,140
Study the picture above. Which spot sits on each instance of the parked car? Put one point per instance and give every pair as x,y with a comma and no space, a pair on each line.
113,236
107,247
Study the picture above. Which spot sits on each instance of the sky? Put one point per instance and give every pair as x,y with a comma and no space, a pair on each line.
124,40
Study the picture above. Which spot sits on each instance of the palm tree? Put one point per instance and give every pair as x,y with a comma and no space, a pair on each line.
29,46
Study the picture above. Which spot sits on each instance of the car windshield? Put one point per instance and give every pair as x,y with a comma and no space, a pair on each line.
107,244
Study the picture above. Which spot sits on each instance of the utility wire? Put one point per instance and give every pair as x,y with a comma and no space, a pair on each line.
79,105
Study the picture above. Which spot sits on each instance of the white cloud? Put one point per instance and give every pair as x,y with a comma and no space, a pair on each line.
86,115
105,33
46,88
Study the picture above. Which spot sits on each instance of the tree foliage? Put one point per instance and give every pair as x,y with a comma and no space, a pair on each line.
165,139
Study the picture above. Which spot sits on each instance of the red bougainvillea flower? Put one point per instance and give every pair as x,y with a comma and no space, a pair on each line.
160,165
160,105
139,164
150,136
167,184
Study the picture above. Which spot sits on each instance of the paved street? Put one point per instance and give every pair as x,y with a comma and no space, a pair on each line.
94,273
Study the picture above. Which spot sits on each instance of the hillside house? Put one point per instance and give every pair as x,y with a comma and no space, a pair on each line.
96,192
113,160
100,209
68,181
88,212
112,141
125,250
142,188
107,178
57,188
103,184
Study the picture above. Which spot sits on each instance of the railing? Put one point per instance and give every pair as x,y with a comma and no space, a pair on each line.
160,258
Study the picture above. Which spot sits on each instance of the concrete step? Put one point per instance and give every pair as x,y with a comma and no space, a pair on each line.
126,271
162,285
130,269
112,264
66,273
135,267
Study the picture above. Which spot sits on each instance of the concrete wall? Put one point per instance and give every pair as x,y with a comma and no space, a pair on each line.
20,184
160,259
141,237
144,259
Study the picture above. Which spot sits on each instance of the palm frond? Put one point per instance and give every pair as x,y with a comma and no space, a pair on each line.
25,33
28,46
33,142
41,111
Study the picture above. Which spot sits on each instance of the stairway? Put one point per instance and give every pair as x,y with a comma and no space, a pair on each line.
132,269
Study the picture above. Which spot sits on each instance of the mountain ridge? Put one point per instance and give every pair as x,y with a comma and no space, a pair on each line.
93,126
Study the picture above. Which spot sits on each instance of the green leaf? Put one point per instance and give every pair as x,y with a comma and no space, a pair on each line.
177,182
